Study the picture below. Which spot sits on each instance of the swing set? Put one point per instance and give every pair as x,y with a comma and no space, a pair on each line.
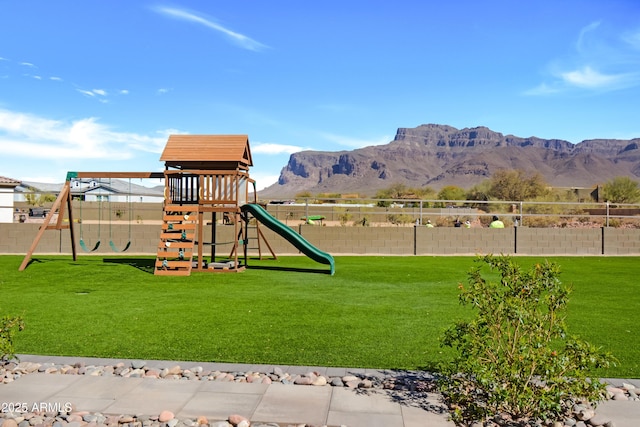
206,177
112,245
63,202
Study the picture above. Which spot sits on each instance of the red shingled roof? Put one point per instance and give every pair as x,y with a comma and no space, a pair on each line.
9,182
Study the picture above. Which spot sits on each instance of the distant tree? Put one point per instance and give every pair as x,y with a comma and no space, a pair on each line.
480,191
304,195
516,185
395,191
621,189
452,192
38,199
426,193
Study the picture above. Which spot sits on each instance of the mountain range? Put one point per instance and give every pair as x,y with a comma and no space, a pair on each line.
433,155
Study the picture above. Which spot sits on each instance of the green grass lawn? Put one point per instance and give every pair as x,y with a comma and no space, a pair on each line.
376,312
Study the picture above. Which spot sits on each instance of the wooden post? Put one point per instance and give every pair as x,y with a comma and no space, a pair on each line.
63,196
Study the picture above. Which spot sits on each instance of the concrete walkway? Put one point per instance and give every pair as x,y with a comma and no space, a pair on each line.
260,403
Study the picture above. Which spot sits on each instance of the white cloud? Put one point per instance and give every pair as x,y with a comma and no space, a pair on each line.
95,93
240,39
602,61
86,92
269,148
123,92
28,64
583,38
589,78
356,142
54,78
542,89
30,136
264,180
162,91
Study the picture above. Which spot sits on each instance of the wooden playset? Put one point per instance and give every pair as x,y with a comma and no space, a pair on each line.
206,178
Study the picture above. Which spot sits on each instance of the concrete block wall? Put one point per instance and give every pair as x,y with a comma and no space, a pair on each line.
17,238
559,241
621,241
361,240
463,241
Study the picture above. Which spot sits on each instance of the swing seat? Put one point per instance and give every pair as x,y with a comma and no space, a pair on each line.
115,249
84,247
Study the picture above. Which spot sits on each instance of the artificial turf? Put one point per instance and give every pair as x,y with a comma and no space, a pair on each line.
375,312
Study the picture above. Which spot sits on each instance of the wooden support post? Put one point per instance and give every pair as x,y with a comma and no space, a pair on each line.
62,197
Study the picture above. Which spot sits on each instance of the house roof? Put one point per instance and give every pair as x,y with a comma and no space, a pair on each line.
207,150
8,182
116,186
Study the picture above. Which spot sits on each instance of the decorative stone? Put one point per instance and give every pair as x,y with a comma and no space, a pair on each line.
236,419
165,416
174,370
585,414
598,420
300,380
319,381
138,364
152,373
337,382
365,384
620,396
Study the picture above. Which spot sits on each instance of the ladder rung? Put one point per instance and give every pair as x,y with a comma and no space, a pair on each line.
174,264
174,254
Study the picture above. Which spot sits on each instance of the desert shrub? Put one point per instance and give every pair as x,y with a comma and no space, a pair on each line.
514,360
399,219
541,221
344,216
8,327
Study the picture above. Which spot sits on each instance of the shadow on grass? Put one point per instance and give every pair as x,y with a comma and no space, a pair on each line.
144,264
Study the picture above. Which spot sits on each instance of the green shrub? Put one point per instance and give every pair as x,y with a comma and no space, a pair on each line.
8,326
344,216
514,361
400,219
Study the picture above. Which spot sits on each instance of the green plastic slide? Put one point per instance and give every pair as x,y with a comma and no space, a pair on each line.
290,236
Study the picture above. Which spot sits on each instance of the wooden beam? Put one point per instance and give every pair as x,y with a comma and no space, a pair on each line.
71,175
63,196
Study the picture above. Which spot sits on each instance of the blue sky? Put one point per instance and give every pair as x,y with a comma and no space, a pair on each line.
99,85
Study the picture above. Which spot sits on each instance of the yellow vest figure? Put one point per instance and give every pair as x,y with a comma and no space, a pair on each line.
496,223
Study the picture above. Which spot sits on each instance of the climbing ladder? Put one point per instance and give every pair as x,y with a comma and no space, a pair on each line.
254,235
175,250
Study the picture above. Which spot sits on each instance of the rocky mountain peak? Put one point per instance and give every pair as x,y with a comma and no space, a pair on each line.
438,155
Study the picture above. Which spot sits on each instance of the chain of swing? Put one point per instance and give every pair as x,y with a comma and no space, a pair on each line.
87,247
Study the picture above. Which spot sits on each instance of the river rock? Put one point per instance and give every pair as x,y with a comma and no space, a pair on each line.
165,416
598,420
236,420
